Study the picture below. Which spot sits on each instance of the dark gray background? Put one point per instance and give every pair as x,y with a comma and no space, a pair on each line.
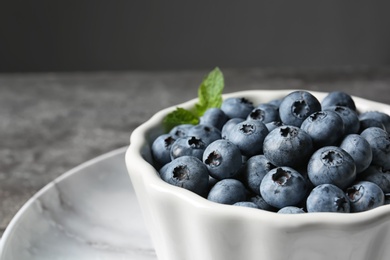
100,35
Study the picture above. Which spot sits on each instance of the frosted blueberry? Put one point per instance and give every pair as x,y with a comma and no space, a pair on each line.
254,170
223,159
189,145
283,186
331,165
379,141
359,149
249,136
227,191
327,198
324,127
297,106
338,98
364,196
187,172
379,176
237,107
288,146
161,147
214,117
228,126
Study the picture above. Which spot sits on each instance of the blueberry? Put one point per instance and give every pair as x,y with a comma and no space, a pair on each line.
331,165
379,141
297,106
161,147
237,107
379,116
227,191
364,196
350,119
369,122
187,172
229,125
283,186
254,170
288,146
247,204
180,130
223,159
272,125
249,136
276,102
327,198
207,133
261,204
189,145
379,176
338,98
359,149
265,113
291,210
214,117
324,127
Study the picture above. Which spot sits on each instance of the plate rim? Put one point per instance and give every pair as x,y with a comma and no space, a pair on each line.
67,174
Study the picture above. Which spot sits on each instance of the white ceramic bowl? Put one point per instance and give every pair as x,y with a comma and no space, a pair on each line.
185,226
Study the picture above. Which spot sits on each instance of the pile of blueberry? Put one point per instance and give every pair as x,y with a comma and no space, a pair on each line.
291,155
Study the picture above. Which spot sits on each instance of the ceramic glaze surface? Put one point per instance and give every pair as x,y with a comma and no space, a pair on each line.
186,226
88,213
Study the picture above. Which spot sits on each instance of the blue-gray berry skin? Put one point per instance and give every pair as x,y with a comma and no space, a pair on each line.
180,130
327,198
379,176
276,102
288,146
237,107
254,170
379,141
272,125
249,136
291,210
207,133
265,113
227,191
187,172
223,159
364,196
350,118
331,165
359,149
297,106
229,125
379,116
261,203
324,127
247,204
283,186
189,145
338,98
214,117
161,147
369,122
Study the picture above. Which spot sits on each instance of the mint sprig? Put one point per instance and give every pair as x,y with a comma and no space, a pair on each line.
209,95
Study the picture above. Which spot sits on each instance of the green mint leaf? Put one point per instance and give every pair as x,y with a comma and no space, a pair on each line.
210,92
178,117
209,95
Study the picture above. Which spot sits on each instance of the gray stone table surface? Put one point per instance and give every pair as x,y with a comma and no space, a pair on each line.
52,122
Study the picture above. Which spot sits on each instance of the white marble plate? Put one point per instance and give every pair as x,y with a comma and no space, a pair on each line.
89,213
